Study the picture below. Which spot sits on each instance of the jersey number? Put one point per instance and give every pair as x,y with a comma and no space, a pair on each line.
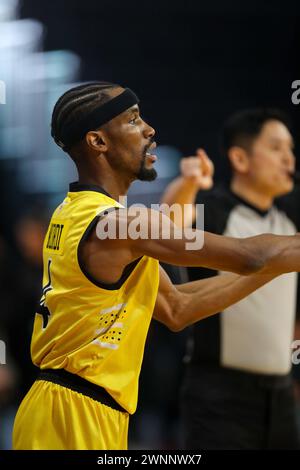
42,309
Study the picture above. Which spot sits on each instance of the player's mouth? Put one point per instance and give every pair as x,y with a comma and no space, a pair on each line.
149,155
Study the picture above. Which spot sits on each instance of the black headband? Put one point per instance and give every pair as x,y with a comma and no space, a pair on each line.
76,131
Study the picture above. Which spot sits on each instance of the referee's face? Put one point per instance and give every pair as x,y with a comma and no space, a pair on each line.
271,160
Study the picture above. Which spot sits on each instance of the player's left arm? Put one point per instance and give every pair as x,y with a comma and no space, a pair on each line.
178,306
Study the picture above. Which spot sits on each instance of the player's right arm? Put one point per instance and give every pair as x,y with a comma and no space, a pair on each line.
163,240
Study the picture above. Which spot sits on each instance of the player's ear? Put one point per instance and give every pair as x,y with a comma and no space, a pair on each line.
96,140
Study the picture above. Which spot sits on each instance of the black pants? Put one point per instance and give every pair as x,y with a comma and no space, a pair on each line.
227,409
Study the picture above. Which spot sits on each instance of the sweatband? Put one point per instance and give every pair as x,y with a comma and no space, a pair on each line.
75,131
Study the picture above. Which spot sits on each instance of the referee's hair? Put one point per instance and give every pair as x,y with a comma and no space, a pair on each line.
242,128
76,103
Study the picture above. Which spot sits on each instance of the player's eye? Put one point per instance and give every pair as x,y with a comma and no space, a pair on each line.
134,119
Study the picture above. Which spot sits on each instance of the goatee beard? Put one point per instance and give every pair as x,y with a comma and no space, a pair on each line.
146,174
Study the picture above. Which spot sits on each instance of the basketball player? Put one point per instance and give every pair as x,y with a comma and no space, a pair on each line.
99,295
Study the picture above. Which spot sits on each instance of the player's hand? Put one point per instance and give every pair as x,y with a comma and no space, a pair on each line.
199,170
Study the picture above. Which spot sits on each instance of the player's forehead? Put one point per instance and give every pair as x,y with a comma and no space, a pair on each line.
130,112
133,109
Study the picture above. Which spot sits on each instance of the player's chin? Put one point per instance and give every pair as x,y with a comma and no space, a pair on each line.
147,174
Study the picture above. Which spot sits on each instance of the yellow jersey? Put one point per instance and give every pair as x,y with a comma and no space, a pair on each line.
93,330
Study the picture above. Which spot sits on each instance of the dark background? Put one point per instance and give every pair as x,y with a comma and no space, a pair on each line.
191,62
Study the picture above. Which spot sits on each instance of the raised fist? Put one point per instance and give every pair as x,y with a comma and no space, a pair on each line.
198,169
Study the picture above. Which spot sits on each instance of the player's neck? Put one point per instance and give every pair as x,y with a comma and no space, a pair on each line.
111,183
253,196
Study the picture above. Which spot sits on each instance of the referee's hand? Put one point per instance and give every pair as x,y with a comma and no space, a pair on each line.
198,170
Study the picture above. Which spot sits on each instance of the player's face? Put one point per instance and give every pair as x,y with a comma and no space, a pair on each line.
271,160
130,143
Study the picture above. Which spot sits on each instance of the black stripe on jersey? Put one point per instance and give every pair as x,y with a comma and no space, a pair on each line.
80,385
127,270
76,187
